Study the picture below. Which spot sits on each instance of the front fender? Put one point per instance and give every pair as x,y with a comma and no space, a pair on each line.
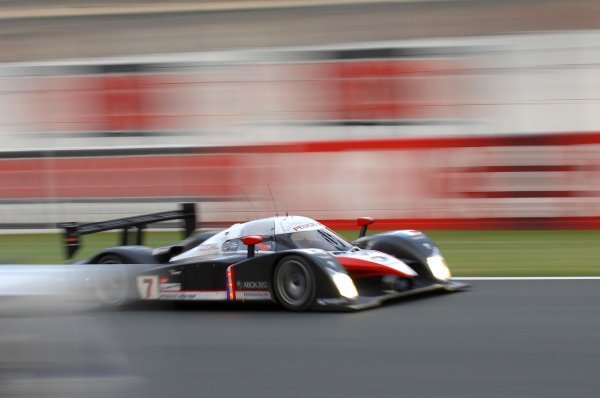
412,247
260,269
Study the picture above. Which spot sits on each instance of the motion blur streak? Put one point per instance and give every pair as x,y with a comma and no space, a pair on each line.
475,128
49,346
76,37
49,289
107,104
62,356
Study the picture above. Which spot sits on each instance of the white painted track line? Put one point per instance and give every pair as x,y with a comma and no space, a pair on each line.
526,278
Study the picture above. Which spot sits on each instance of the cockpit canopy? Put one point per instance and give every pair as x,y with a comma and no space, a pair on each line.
278,233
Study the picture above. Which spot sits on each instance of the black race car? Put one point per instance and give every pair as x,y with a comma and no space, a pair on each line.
291,260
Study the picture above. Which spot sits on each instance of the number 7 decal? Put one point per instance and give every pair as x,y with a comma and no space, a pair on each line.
148,287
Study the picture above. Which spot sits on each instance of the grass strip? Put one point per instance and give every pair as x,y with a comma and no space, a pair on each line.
469,253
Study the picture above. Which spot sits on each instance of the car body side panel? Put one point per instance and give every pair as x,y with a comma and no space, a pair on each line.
207,279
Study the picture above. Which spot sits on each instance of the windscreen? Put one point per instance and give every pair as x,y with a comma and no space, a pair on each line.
323,238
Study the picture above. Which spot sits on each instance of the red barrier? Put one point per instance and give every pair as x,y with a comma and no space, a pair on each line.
118,177
542,181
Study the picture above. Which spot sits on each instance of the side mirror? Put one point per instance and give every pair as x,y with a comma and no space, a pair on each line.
251,241
363,223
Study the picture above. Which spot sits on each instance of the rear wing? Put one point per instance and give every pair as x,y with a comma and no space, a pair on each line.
73,230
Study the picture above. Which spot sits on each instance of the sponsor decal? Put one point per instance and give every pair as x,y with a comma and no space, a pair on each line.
194,295
305,226
208,247
372,255
253,285
380,259
178,296
253,295
331,301
170,287
411,232
319,252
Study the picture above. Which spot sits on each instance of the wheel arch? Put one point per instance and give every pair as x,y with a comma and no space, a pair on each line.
412,247
128,254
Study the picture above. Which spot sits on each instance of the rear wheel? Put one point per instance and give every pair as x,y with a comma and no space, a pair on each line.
110,259
294,283
111,284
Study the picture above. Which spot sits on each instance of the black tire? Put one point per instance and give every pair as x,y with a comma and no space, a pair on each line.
110,259
294,283
111,285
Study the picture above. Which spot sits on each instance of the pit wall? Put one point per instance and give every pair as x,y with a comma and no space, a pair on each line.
496,132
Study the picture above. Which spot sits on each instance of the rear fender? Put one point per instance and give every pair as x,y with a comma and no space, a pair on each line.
128,254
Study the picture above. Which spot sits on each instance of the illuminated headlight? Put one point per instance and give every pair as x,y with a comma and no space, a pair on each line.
345,285
437,266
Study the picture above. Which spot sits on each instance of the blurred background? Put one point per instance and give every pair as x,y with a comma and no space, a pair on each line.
437,114
448,116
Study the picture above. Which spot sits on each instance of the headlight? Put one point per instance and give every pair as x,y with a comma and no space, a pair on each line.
437,266
345,285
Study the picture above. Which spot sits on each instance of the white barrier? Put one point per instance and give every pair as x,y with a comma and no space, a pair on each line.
111,114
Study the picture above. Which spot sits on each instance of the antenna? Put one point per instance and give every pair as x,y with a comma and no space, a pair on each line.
249,201
273,200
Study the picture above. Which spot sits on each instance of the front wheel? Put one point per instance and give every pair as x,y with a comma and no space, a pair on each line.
294,283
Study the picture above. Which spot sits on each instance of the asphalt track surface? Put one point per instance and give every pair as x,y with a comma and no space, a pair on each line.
502,338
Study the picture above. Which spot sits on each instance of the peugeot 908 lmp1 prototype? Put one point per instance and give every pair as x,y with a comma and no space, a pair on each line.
294,261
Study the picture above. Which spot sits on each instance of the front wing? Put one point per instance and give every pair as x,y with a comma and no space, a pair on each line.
363,302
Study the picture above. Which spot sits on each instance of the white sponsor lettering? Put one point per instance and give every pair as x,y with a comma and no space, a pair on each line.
254,285
170,287
305,226
411,232
255,295
332,301
194,295
208,247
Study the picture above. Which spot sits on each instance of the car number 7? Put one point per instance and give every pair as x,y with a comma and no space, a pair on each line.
148,287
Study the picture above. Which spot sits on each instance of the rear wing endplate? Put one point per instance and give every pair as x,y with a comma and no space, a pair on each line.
73,230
